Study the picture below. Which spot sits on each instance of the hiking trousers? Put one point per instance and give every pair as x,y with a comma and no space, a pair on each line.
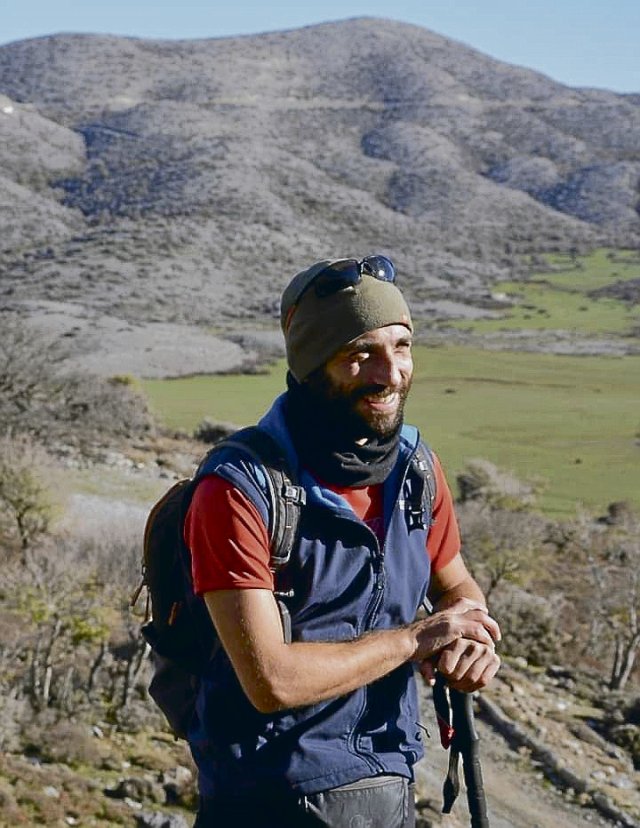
378,802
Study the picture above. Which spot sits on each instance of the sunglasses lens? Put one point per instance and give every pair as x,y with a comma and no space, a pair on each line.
337,276
379,267
348,272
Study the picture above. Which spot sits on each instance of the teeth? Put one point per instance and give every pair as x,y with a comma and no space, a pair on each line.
382,399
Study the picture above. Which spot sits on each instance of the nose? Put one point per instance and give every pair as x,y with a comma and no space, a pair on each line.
386,369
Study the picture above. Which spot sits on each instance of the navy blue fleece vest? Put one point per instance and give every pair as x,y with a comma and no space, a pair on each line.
343,584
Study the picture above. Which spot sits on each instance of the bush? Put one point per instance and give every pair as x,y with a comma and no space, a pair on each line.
212,431
529,626
483,481
41,397
502,546
58,740
27,501
627,736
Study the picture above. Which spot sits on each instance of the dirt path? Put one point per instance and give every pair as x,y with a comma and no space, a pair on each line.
517,796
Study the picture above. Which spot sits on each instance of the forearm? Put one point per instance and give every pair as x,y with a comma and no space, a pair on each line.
304,673
276,675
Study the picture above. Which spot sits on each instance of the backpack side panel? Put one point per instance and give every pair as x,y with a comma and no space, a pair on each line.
180,628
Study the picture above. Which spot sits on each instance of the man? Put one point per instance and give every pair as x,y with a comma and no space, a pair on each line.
324,730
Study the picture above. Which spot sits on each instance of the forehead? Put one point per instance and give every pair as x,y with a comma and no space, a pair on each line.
389,335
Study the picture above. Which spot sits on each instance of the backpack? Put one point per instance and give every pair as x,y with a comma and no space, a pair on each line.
177,624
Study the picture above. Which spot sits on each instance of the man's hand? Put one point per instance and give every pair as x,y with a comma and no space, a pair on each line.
463,619
470,661
466,665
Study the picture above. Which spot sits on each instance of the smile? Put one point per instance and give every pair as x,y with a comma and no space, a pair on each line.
382,402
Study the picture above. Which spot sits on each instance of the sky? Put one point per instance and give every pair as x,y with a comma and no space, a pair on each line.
577,42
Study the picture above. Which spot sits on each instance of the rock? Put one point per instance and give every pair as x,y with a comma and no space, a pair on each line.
136,789
160,820
560,672
623,782
176,784
51,792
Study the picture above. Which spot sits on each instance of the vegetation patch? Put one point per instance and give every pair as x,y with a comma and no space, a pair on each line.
570,421
587,295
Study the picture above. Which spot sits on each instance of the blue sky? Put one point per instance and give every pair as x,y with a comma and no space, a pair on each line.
578,42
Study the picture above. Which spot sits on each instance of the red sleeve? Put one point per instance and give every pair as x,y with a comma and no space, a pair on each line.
443,542
228,540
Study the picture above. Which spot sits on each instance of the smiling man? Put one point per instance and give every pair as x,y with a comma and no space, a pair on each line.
322,730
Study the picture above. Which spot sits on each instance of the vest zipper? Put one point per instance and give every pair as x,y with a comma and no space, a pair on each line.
370,615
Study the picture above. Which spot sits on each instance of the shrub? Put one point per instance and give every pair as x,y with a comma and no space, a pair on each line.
211,431
483,481
41,397
500,545
58,740
27,501
627,736
529,625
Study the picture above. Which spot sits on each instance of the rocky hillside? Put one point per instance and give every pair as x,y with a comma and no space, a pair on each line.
183,182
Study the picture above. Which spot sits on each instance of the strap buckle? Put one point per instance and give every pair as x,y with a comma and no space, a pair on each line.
415,517
294,494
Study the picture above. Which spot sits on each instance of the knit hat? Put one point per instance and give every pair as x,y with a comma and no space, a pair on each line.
316,327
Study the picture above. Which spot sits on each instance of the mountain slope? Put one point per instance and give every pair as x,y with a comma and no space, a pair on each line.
206,172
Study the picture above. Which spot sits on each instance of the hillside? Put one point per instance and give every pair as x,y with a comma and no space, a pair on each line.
182,182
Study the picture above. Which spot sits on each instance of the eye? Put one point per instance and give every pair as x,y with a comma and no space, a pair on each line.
358,357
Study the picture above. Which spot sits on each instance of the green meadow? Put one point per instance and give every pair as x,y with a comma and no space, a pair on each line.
572,421
559,299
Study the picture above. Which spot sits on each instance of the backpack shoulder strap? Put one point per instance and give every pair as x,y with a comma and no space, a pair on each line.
286,497
423,491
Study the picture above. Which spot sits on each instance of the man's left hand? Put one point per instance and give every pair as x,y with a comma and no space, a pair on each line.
466,665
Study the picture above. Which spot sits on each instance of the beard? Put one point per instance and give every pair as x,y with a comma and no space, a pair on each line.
342,406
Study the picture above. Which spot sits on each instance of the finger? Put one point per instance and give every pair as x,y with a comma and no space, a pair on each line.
489,623
475,629
465,658
469,674
464,608
428,672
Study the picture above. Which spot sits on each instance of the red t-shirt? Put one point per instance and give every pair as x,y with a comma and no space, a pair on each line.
229,542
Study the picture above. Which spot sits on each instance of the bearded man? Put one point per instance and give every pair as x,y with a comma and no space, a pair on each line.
323,729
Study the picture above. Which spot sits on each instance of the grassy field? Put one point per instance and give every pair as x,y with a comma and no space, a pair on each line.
559,299
573,421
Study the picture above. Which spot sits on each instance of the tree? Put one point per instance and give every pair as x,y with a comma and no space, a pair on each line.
42,396
614,566
26,501
501,545
502,538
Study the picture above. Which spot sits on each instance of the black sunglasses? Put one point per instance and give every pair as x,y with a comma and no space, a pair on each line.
349,272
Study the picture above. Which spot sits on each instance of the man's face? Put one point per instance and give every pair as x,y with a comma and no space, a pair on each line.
368,381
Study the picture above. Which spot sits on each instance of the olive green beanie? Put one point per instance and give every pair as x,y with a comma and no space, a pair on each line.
315,328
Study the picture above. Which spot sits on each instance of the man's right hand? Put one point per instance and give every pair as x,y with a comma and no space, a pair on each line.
464,619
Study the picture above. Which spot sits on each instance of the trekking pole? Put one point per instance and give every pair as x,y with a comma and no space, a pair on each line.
465,730
458,734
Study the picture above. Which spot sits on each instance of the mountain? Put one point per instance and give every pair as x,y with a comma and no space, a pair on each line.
184,182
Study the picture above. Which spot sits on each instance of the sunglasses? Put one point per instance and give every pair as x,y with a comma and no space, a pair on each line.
347,273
